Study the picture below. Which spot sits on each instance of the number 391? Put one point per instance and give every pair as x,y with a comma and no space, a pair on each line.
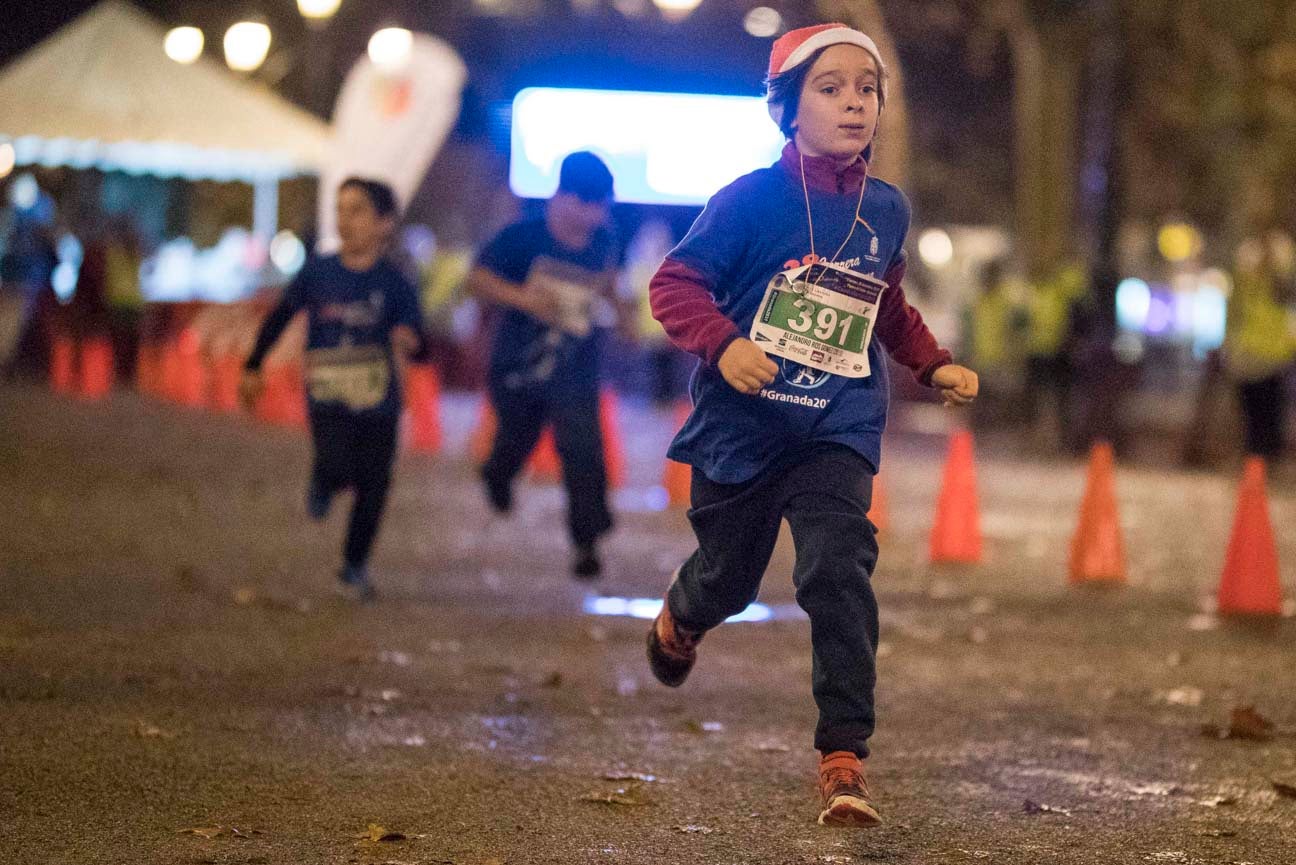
824,324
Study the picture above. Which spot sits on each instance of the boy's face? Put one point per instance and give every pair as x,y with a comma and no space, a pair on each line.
574,216
360,228
839,107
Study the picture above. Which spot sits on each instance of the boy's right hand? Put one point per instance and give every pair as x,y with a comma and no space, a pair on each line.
746,367
249,390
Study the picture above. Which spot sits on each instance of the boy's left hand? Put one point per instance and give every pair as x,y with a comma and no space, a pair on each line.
958,384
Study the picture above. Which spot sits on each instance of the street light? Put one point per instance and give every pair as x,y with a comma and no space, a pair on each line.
246,45
762,22
676,9
318,10
935,247
184,44
390,47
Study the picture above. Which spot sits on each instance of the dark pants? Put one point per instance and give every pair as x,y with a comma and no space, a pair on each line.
357,451
522,414
824,494
1264,403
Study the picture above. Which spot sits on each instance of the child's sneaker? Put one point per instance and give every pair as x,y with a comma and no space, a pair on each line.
355,583
845,793
586,564
672,651
318,499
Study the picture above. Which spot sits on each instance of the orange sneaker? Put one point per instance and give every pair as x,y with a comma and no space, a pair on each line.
845,793
672,651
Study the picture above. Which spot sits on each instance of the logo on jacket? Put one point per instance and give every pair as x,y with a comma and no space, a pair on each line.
806,377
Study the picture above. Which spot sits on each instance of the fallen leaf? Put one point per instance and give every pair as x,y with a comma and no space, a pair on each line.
245,596
202,832
773,748
1184,695
1218,833
622,797
641,777
1218,801
145,730
692,829
1203,622
700,727
1246,723
376,834
1031,807
1283,789
398,659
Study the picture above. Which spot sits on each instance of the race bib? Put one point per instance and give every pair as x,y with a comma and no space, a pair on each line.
356,377
821,316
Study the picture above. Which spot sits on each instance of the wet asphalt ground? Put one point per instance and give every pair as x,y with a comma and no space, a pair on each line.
178,683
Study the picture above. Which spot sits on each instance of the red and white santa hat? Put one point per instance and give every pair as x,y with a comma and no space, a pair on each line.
795,47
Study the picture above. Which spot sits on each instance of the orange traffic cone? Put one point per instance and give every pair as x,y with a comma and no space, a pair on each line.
97,372
1097,554
613,453
63,365
1249,585
956,533
423,407
678,477
190,370
878,513
225,382
483,436
544,466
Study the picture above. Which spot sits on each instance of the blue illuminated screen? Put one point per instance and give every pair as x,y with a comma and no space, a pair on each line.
663,148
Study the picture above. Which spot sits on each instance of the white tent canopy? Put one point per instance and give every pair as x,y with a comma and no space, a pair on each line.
102,93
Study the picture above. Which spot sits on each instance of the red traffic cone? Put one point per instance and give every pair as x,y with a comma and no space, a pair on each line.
677,478
225,382
956,532
63,365
1097,554
97,372
613,452
423,407
1249,585
544,466
191,370
878,513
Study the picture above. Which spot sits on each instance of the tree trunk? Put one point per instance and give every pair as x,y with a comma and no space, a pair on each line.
1046,82
891,153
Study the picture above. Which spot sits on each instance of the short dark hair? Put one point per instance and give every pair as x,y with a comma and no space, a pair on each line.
585,176
380,195
784,90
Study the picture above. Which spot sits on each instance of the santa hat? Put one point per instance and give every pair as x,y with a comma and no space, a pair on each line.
795,47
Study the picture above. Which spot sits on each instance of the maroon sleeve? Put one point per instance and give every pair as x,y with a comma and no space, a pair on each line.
903,333
682,302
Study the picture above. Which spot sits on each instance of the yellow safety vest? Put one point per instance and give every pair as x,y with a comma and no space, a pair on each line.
1258,340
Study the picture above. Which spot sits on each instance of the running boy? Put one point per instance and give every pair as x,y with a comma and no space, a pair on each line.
788,287
363,323
554,276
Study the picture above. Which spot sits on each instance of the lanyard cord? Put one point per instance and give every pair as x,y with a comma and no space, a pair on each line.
810,219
